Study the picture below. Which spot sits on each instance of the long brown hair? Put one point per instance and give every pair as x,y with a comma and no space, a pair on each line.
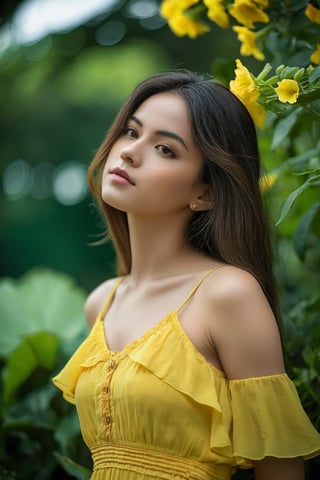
235,230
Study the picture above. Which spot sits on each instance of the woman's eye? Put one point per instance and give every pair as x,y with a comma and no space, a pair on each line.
166,151
130,132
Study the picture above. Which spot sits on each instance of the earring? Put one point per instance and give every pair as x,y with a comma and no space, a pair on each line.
194,206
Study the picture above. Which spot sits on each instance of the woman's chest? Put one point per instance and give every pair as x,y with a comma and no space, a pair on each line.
122,401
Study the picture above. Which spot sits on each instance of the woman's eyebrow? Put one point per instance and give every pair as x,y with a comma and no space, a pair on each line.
164,133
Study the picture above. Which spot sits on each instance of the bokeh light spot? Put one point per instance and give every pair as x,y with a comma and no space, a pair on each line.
69,183
17,179
110,33
152,23
142,8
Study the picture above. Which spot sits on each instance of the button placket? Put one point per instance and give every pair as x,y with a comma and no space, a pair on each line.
107,411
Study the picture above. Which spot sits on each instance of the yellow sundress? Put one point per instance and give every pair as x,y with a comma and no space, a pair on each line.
159,410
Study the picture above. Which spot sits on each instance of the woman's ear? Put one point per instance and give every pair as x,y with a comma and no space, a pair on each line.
202,200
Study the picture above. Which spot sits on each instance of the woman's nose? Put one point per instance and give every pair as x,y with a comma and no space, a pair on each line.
131,153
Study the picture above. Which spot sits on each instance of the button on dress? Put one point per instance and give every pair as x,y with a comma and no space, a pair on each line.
159,410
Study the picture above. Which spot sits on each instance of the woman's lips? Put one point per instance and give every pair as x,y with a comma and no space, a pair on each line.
119,175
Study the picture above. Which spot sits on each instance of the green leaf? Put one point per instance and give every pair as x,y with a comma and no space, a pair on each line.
73,468
293,196
283,128
33,351
67,428
33,409
42,300
315,74
302,157
311,171
300,237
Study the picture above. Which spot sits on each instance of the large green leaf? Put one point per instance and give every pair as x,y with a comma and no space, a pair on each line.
42,300
33,351
67,429
33,409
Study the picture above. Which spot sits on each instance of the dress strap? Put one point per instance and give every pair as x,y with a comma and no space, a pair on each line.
195,288
110,297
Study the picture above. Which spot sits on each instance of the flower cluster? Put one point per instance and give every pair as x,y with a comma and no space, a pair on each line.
289,85
189,17
253,21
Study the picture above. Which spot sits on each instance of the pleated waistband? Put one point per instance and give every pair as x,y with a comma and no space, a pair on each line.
155,464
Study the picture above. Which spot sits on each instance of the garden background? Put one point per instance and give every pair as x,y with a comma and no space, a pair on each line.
66,67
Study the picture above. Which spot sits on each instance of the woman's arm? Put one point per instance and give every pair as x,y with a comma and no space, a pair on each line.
247,339
242,326
279,469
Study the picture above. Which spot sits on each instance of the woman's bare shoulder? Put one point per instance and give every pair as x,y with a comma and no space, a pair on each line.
96,299
233,289
243,327
232,283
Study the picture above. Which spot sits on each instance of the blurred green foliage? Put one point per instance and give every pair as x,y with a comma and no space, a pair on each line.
44,324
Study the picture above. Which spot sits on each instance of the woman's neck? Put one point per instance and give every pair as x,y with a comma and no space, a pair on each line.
159,249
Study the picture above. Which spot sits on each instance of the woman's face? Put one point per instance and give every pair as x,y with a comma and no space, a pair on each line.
154,167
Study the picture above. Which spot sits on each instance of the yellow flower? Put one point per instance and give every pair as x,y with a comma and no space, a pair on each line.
313,13
169,8
248,40
182,25
245,88
287,90
217,13
267,181
315,57
247,13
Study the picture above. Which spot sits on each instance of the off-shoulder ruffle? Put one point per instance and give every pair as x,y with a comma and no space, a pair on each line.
268,420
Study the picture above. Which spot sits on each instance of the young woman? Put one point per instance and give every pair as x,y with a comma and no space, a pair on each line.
182,375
